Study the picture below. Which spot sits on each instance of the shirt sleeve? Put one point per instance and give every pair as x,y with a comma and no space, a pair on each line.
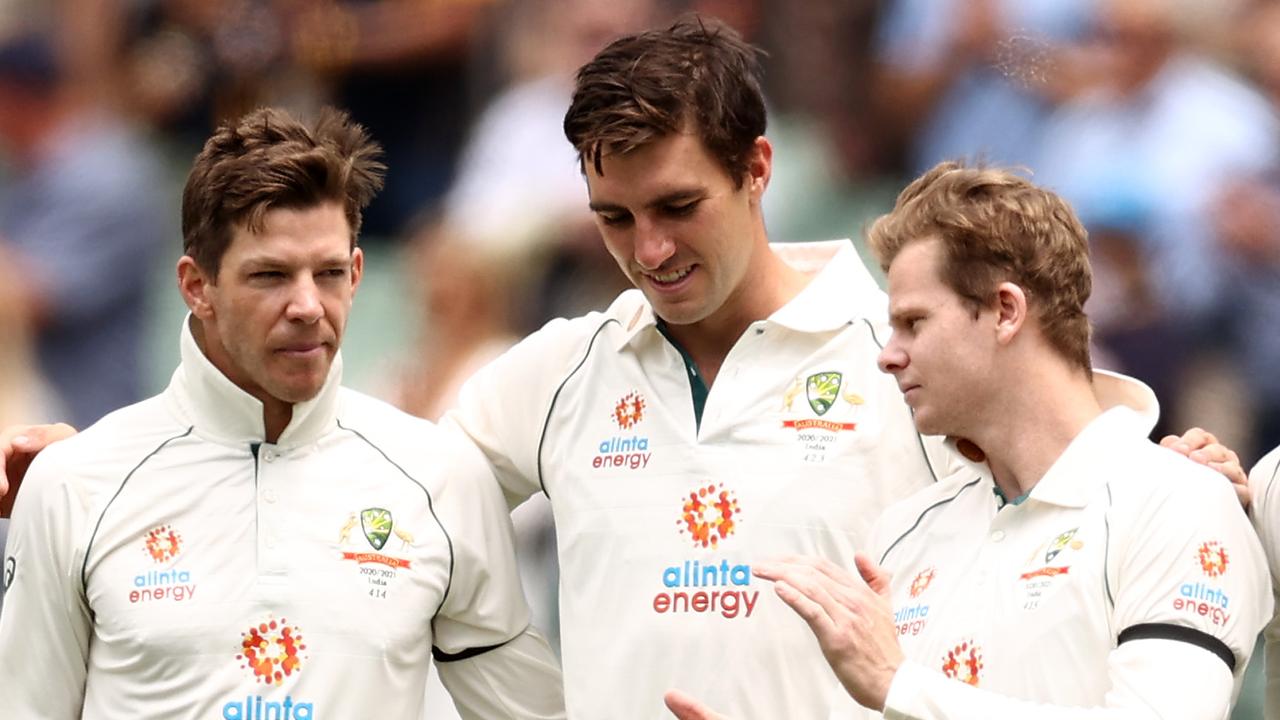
46,626
1151,680
1264,485
503,408
1189,590
488,656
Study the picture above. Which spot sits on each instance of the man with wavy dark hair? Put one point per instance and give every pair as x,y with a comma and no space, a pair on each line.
257,541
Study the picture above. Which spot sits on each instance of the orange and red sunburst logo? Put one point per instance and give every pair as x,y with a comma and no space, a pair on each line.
629,410
163,543
709,514
1213,558
921,581
963,663
270,649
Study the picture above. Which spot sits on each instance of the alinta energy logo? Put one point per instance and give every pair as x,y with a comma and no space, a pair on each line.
625,451
273,651
162,545
964,663
1213,558
921,581
709,515
1206,599
911,618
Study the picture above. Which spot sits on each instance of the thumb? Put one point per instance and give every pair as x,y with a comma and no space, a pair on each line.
875,576
684,707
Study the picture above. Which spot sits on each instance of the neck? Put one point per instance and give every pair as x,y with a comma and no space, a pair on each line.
769,284
1028,427
276,413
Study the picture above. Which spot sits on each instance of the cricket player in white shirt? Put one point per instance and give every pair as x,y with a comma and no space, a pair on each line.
1072,568
256,541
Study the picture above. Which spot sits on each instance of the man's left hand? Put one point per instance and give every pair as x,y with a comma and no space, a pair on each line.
851,616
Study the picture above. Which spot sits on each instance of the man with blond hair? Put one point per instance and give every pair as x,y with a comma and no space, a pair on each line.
1070,568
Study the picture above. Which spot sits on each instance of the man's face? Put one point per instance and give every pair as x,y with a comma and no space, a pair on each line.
678,225
938,353
274,319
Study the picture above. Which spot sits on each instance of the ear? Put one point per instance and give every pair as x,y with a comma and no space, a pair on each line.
759,167
195,286
357,270
1011,311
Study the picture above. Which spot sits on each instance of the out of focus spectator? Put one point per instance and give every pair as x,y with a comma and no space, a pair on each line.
81,217
469,291
1157,129
518,183
973,78
1247,225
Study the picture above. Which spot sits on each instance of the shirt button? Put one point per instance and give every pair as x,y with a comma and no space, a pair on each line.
269,455
269,495
997,536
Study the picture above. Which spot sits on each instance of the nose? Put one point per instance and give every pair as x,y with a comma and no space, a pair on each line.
892,359
653,246
304,301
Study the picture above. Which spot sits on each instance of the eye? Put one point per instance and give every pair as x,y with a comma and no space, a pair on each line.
681,209
334,273
614,219
266,275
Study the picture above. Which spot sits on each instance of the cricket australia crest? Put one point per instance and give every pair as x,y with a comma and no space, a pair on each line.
822,389
376,523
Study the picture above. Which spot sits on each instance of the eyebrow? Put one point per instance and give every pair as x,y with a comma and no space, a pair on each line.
675,196
264,262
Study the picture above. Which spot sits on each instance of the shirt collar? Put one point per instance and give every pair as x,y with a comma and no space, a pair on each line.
223,412
841,291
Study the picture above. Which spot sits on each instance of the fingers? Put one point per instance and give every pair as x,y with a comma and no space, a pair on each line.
1190,441
685,707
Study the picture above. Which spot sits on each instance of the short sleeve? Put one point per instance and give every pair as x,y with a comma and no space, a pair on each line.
485,605
1189,568
46,626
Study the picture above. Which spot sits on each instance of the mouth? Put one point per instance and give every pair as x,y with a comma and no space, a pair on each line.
906,389
302,350
669,279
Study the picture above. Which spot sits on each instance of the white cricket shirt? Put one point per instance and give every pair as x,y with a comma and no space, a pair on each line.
1128,581
167,563
659,515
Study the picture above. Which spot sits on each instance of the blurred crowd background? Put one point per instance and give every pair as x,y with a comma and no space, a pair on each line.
1157,119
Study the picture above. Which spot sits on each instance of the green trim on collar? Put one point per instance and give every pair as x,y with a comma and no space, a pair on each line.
697,388
1006,501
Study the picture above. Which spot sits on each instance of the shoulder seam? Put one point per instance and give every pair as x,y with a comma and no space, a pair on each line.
546,421
430,507
88,548
924,512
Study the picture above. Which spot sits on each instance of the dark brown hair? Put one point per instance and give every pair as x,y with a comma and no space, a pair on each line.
996,226
269,159
697,74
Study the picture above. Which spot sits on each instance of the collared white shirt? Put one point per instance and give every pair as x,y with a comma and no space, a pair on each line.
659,516
1127,584
166,562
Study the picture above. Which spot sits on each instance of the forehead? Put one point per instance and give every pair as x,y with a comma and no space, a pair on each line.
672,162
317,231
914,277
